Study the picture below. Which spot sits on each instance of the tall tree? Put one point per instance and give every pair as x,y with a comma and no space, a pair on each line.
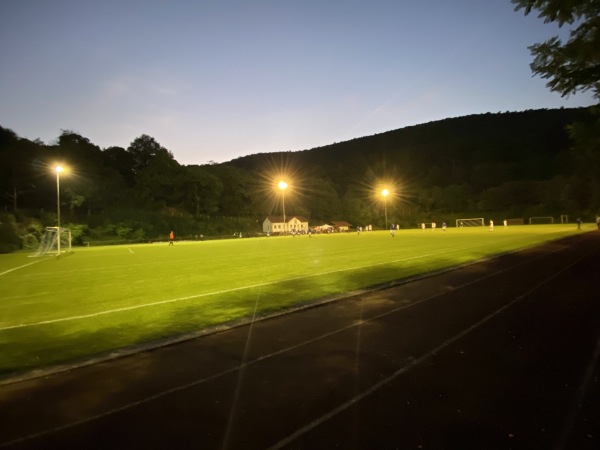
234,200
122,161
322,199
575,65
201,190
82,188
143,149
10,172
158,184
23,182
570,68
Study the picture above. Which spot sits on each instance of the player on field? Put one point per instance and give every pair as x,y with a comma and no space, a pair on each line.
491,225
171,237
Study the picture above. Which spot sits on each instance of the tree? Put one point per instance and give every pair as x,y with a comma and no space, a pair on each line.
356,208
202,190
143,149
322,199
87,186
456,197
9,237
575,65
570,68
10,173
122,161
234,198
159,182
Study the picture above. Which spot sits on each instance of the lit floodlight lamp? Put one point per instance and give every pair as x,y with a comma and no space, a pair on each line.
58,169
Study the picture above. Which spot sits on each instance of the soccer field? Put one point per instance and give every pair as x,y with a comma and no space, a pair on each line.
99,299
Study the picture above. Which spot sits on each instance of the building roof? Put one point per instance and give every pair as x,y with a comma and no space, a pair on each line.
279,219
340,223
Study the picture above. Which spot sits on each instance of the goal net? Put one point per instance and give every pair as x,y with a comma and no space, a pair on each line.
54,242
540,220
473,222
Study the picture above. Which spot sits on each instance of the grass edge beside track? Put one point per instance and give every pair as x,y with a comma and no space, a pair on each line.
130,350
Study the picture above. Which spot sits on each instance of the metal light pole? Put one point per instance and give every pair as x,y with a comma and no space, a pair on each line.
385,193
282,185
58,170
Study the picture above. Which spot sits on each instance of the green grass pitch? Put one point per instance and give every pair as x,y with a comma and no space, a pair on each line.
95,300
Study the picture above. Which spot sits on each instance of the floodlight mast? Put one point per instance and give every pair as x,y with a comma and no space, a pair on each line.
58,170
282,185
385,193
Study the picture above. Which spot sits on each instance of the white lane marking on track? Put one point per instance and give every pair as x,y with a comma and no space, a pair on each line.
159,395
224,291
289,439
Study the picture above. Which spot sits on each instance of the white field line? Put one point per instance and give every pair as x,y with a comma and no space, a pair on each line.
20,267
226,291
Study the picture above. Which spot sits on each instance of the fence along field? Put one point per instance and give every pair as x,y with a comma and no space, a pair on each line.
99,299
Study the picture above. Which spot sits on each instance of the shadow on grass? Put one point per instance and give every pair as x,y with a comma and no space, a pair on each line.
33,347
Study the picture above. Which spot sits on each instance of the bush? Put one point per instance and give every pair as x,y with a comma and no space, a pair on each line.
124,232
79,231
9,234
30,241
138,235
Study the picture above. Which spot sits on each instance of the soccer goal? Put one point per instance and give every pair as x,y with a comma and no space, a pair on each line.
541,220
564,218
52,243
473,222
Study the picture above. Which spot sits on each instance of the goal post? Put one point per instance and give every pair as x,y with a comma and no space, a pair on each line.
471,222
541,220
53,240
564,218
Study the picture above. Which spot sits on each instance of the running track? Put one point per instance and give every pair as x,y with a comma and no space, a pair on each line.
502,354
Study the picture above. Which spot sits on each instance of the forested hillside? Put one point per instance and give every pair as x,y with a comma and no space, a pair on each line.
505,165
518,164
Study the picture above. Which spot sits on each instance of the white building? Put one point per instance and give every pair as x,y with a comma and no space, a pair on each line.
275,224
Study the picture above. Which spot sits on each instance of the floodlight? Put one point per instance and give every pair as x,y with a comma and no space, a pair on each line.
385,193
282,185
58,169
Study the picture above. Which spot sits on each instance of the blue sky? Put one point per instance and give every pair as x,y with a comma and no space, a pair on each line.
215,80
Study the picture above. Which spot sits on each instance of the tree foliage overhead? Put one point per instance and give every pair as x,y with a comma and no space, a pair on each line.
573,66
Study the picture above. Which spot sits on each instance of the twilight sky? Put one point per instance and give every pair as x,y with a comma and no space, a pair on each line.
219,79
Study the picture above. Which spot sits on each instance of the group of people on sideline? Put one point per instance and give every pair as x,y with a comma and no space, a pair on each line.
394,227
